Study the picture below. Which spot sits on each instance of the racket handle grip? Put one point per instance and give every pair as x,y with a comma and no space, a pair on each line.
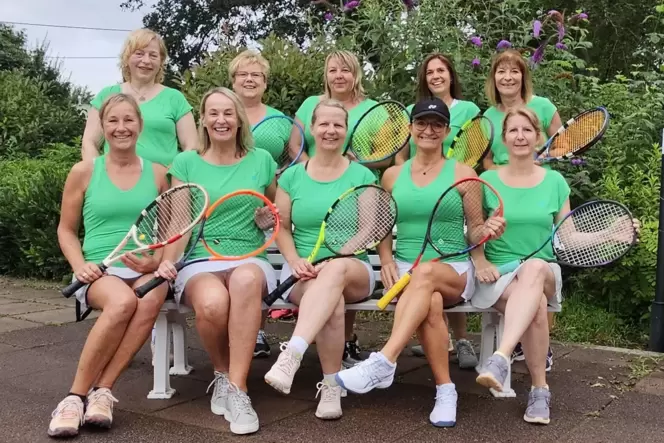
508,267
76,284
279,290
393,292
149,286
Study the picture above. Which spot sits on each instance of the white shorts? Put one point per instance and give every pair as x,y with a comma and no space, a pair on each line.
119,271
216,266
459,266
286,272
487,294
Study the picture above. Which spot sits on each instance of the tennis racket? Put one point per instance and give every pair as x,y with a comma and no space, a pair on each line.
380,133
357,221
226,234
575,136
446,230
171,215
473,141
594,234
273,134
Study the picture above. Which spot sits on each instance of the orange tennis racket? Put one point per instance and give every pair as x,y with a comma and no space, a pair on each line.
226,236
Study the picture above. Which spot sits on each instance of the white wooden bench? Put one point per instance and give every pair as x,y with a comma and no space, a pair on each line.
171,322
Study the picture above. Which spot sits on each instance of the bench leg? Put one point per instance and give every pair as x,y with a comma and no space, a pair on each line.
180,357
507,386
488,343
161,388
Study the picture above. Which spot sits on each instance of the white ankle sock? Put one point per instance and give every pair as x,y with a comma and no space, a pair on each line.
330,380
298,344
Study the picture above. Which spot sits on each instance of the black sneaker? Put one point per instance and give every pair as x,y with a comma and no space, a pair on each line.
549,360
353,354
262,348
517,354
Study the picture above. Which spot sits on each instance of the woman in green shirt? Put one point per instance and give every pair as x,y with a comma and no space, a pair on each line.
416,186
166,112
305,193
509,85
107,194
534,199
225,295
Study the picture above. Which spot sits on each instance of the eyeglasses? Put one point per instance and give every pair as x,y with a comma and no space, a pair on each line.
436,125
254,75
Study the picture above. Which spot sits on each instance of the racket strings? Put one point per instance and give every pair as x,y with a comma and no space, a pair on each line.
360,220
276,132
171,215
594,235
469,147
238,226
381,133
578,134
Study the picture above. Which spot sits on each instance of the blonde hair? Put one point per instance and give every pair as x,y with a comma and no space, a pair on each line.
349,60
329,103
139,39
244,140
529,115
115,99
249,56
509,57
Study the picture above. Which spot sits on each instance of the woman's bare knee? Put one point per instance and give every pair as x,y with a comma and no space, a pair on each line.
337,269
246,281
122,306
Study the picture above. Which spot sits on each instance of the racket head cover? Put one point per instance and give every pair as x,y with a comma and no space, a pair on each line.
359,219
380,133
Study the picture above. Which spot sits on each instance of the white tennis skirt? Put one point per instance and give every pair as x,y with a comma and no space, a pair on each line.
459,266
125,274
286,272
487,294
217,266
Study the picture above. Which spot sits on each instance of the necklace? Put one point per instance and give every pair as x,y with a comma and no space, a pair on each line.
424,172
141,97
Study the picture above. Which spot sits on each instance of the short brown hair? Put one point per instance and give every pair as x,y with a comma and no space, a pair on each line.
331,103
529,115
244,139
115,99
423,90
509,57
139,39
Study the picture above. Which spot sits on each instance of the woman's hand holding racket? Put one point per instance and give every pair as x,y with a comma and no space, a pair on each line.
389,274
141,263
302,269
88,272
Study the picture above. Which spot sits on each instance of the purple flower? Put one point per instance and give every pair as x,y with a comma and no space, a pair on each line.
577,161
537,28
475,63
349,6
538,55
410,4
562,46
476,41
329,16
582,16
555,15
503,44
561,32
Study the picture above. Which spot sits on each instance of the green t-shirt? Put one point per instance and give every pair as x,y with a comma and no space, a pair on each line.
109,212
254,171
306,111
460,112
159,140
415,205
529,216
273,135
545,111
310,200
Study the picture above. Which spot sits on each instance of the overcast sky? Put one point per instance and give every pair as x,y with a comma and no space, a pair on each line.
93,73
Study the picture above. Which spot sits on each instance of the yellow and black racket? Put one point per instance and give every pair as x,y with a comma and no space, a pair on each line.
356,222
380,133
473,141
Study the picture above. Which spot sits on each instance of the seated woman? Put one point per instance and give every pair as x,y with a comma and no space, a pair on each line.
107,194
305,193
225,295
416,185
534,199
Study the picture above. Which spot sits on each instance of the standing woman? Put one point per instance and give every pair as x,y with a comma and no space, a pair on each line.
534,199
248,73
343,82
438,78
225,295
416,186
107,194
305,193
167,114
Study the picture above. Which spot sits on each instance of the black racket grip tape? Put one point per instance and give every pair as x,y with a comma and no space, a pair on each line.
279,291
149,286
76,285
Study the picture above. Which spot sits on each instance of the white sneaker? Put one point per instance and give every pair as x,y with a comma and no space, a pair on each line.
219,393
67,417
374,372
99,408
329,406
239,412
280,376
444,411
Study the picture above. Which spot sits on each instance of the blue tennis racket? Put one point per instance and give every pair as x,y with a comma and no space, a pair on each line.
274,134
